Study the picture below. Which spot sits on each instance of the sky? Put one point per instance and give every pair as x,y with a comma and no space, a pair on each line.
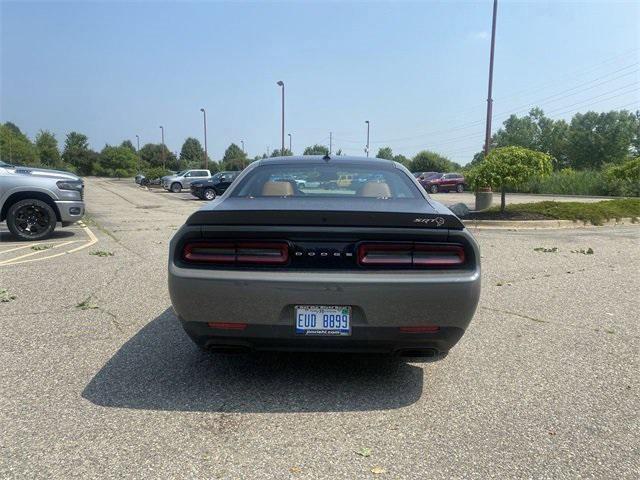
417,71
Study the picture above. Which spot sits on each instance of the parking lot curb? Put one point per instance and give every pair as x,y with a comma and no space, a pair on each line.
539,224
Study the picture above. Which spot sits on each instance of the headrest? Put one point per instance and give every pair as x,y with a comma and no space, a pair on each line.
376,190
277,189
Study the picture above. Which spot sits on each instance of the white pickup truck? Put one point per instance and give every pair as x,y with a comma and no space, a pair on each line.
33,200
183,179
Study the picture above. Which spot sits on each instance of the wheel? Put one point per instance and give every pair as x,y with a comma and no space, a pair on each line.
31,219
459,188
175,187
209,194
433,189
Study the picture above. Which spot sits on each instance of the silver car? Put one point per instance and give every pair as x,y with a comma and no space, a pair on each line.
32,200
184,179
374,265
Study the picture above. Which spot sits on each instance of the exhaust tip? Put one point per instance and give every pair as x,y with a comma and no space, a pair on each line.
418,353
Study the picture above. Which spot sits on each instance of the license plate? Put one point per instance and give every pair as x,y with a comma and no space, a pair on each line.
323,320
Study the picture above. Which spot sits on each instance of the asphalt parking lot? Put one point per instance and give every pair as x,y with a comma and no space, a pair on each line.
99,381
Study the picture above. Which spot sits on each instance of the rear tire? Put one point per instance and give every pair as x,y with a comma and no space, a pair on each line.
31,219
175,187
209,194
433,189
460,188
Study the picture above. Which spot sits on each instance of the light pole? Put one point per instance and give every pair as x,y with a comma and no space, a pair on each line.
206,157
164,166
367,148
242,143
487,134
281,83
330,142
290,151
138,151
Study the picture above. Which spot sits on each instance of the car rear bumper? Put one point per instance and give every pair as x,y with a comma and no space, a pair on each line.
380,302
70,211
363,339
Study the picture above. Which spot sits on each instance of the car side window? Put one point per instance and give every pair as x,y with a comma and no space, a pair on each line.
188,174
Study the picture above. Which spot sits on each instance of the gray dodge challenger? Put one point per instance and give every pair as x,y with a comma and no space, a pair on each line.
336,254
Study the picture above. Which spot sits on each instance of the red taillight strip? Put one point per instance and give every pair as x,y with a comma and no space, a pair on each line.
456,255
410,254
392,254
218,252
267,253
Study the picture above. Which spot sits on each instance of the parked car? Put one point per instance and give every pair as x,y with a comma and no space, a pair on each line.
216,185
424,175
322,270
32,200
139,178
175,183
444,182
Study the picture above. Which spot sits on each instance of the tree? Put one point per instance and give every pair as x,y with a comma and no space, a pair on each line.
234,158
316,150
427,161
47,147
192,153
117,162
386,153
278,153
535,131
597,139
15,146
509,167
78,154
128,144
403,160
151,155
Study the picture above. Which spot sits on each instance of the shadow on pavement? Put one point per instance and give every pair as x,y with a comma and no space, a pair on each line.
160,369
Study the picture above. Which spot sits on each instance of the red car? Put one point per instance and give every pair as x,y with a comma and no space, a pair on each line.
444,182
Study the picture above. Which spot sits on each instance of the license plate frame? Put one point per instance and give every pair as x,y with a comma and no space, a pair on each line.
331,326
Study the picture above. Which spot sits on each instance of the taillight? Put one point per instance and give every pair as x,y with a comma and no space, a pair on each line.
420,255
237,253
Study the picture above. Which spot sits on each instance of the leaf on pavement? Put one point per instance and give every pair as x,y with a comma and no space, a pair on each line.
364,452
377,470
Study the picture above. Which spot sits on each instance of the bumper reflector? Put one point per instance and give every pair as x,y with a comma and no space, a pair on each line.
420,329
227,325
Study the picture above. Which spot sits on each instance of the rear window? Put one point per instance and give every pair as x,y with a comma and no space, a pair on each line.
327,180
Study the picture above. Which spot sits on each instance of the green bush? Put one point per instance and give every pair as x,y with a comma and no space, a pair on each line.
568,182
618,180
624,179
155,172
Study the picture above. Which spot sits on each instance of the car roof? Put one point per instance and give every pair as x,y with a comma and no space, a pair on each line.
335,159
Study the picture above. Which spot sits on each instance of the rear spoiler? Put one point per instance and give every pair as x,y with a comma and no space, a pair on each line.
326,218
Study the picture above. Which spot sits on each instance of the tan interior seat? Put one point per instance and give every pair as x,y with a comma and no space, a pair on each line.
376,190
277,189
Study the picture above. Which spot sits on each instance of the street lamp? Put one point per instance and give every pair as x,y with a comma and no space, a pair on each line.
367,147
487,133
164,166
138,151
242,143
206,157
290,151
281,83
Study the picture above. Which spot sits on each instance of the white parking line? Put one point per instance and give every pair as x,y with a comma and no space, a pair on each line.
65,242
91,241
